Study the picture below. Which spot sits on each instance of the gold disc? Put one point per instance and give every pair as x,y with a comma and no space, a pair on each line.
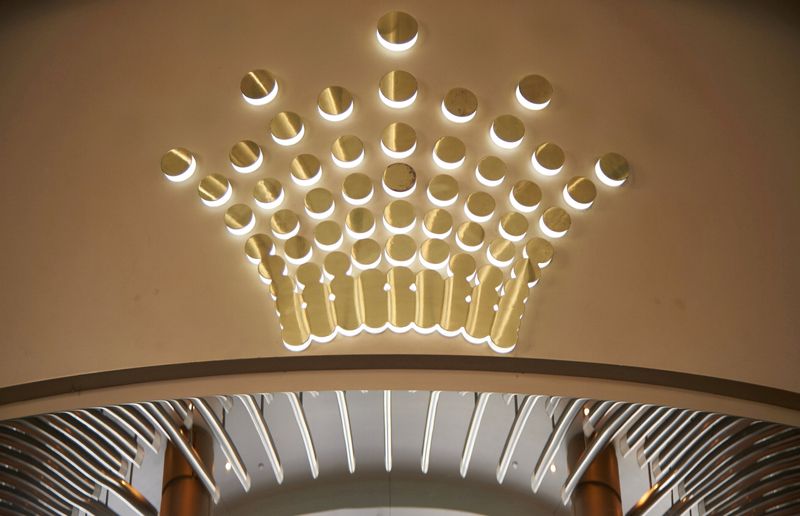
258,247
470,234
297,249
244,156
360,221
513,226
528,269
539,251
461,104
398,87
271,267
556,219
399,215
526,195
286,127
401,249
305,169
581,190
258,87
308,274
450,151
328,234
238,218
438,222
318,202
399,179
337,263
502,251
434,252
480,206
335,102
397,30
534,91
213,189
509,129
491,170
177,164
615,167
366,252
549,156
443,190
347,149
490,275
284,223
462,264
399,138
357,188
268,193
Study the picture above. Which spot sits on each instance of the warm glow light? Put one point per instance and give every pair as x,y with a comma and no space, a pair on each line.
430,234
520,208
245,229
468,248
575,204
396,47
502,143
396,194
476,218
360,236
365,266
528,104
358,202
183,176
398,155
439,202
269,97
455,118
324,215
399,231
222,200
497,263
487,182
400,263
508,236
348,164
272,204
430,265
549,232
310,181
445,165
250,168
542,265
397,104
337,118
542,169
288,235
604,178
328,248
301,260
287,142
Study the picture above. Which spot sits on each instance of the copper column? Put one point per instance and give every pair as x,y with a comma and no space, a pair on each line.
598,492
182,491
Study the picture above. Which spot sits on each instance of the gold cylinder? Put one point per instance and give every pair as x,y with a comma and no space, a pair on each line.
182,491
598,491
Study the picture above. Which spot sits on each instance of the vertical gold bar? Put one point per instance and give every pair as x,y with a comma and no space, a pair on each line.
430,294
402,300
374,298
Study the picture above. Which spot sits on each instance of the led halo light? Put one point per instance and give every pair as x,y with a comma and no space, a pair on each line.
222,200
273,204
303,259
396,47
400,263
435,266
445,165
253,166
549,232
573,203
491,183
399,231
398,155
324,215
542,169
520,208
186,174
311,181
502,143
541,265
456,118
505,234
358,202
477,218
246,228
441,203
496,262
598,170
397,104
266,99
288,142
528,104
349,164
395,193
468,248
355,235
329,248
290,234
430,234
337,117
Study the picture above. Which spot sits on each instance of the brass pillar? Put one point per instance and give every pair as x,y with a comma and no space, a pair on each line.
598,491
182,491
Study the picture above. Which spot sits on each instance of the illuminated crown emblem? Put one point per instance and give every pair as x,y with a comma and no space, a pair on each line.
443,241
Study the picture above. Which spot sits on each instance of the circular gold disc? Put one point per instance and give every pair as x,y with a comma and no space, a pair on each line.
509,129
549,156
398,88
258,87
400,139
268,193
286,128
556,219
238,218
271,267
450,151
366,252
470,234
399,215
526,195
297,249
615,167
305,169
335,103
308,274
328,234
318,202
397,30
491,170
534,91
443,190
513,226
176,164
528,269
539,251
581,190
434,252
360,221
347,149
284,223
462,264
490,275
399,179
502,251
438,222
480,205
258,247
401,249
244,156
213,189
337,263
461,103
357,188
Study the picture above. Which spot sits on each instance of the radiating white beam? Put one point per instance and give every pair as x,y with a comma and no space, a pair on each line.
472,435
528,404
305,434
429,422
348,435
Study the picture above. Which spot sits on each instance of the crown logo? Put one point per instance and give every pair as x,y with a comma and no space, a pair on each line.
398,247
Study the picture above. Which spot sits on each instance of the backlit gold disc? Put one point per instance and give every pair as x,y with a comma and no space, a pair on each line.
462,264
178,164
286,128
434,253
245,156
438,223
305,169
337,264
581,191
398,89
319,203
556,220
268,193
335,103
239,219
399,139
501,251
479,206
469,236
284,224
460,105
271,267
449,152
539,251
525,196
214,190
399,216
612,169
534,92
258,247
397,30
528,269
491,170
399,179
360,222
489,275
297,250
347,150
357,188
548,158
366,253
308,274
443,190
507,131
328,235
513,226
400,250
258,87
